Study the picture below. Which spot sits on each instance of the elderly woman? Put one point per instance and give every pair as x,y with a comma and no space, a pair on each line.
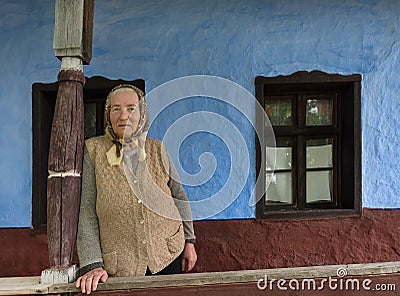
134,216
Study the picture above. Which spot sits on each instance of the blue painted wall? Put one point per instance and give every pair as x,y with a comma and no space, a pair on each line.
238,40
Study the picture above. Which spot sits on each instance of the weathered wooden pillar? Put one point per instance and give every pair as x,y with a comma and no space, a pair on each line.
65,167
72,44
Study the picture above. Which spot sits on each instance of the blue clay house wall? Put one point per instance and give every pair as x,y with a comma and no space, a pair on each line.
237,40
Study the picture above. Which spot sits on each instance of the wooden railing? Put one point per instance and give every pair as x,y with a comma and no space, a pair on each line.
217,283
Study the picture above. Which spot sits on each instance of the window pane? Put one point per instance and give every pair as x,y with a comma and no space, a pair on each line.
280,189
279,110
319,186
280,182
90,120
282,153
319,153
319,111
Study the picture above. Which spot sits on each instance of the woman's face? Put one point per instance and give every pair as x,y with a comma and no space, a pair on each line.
124,112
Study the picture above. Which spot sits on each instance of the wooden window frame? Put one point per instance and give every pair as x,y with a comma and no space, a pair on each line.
346,130
44,97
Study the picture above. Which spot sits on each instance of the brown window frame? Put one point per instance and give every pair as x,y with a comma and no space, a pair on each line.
345,130
44,97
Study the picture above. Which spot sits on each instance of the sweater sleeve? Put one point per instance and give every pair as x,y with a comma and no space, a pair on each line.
88,240
178,193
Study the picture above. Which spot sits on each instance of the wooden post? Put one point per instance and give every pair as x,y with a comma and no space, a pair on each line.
73,30
65,167
72,44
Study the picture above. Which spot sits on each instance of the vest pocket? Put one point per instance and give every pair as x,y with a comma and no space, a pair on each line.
175,241
110,262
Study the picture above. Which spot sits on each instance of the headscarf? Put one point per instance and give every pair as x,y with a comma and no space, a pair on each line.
138,137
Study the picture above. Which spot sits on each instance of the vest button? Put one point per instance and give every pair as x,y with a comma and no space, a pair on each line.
141,221
139,201
144,242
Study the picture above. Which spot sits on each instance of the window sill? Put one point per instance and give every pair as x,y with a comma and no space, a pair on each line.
310,214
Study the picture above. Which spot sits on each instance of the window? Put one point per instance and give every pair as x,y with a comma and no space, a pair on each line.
316,119
43,104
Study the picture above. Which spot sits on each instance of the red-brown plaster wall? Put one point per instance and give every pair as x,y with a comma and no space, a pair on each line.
23,252
249,244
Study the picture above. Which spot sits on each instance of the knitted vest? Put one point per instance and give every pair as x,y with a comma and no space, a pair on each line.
139,223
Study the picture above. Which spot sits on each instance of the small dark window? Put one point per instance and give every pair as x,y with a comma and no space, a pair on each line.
316,119
43,104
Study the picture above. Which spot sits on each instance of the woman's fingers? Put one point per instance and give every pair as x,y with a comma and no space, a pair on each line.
89,281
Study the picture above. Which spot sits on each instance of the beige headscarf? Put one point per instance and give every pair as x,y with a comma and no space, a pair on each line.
114,155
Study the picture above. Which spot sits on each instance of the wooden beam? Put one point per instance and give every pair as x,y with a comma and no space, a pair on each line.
23,286
31,285
240,276
73,31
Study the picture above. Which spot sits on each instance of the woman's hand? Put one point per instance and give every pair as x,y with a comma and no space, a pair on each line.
189,257
89,281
